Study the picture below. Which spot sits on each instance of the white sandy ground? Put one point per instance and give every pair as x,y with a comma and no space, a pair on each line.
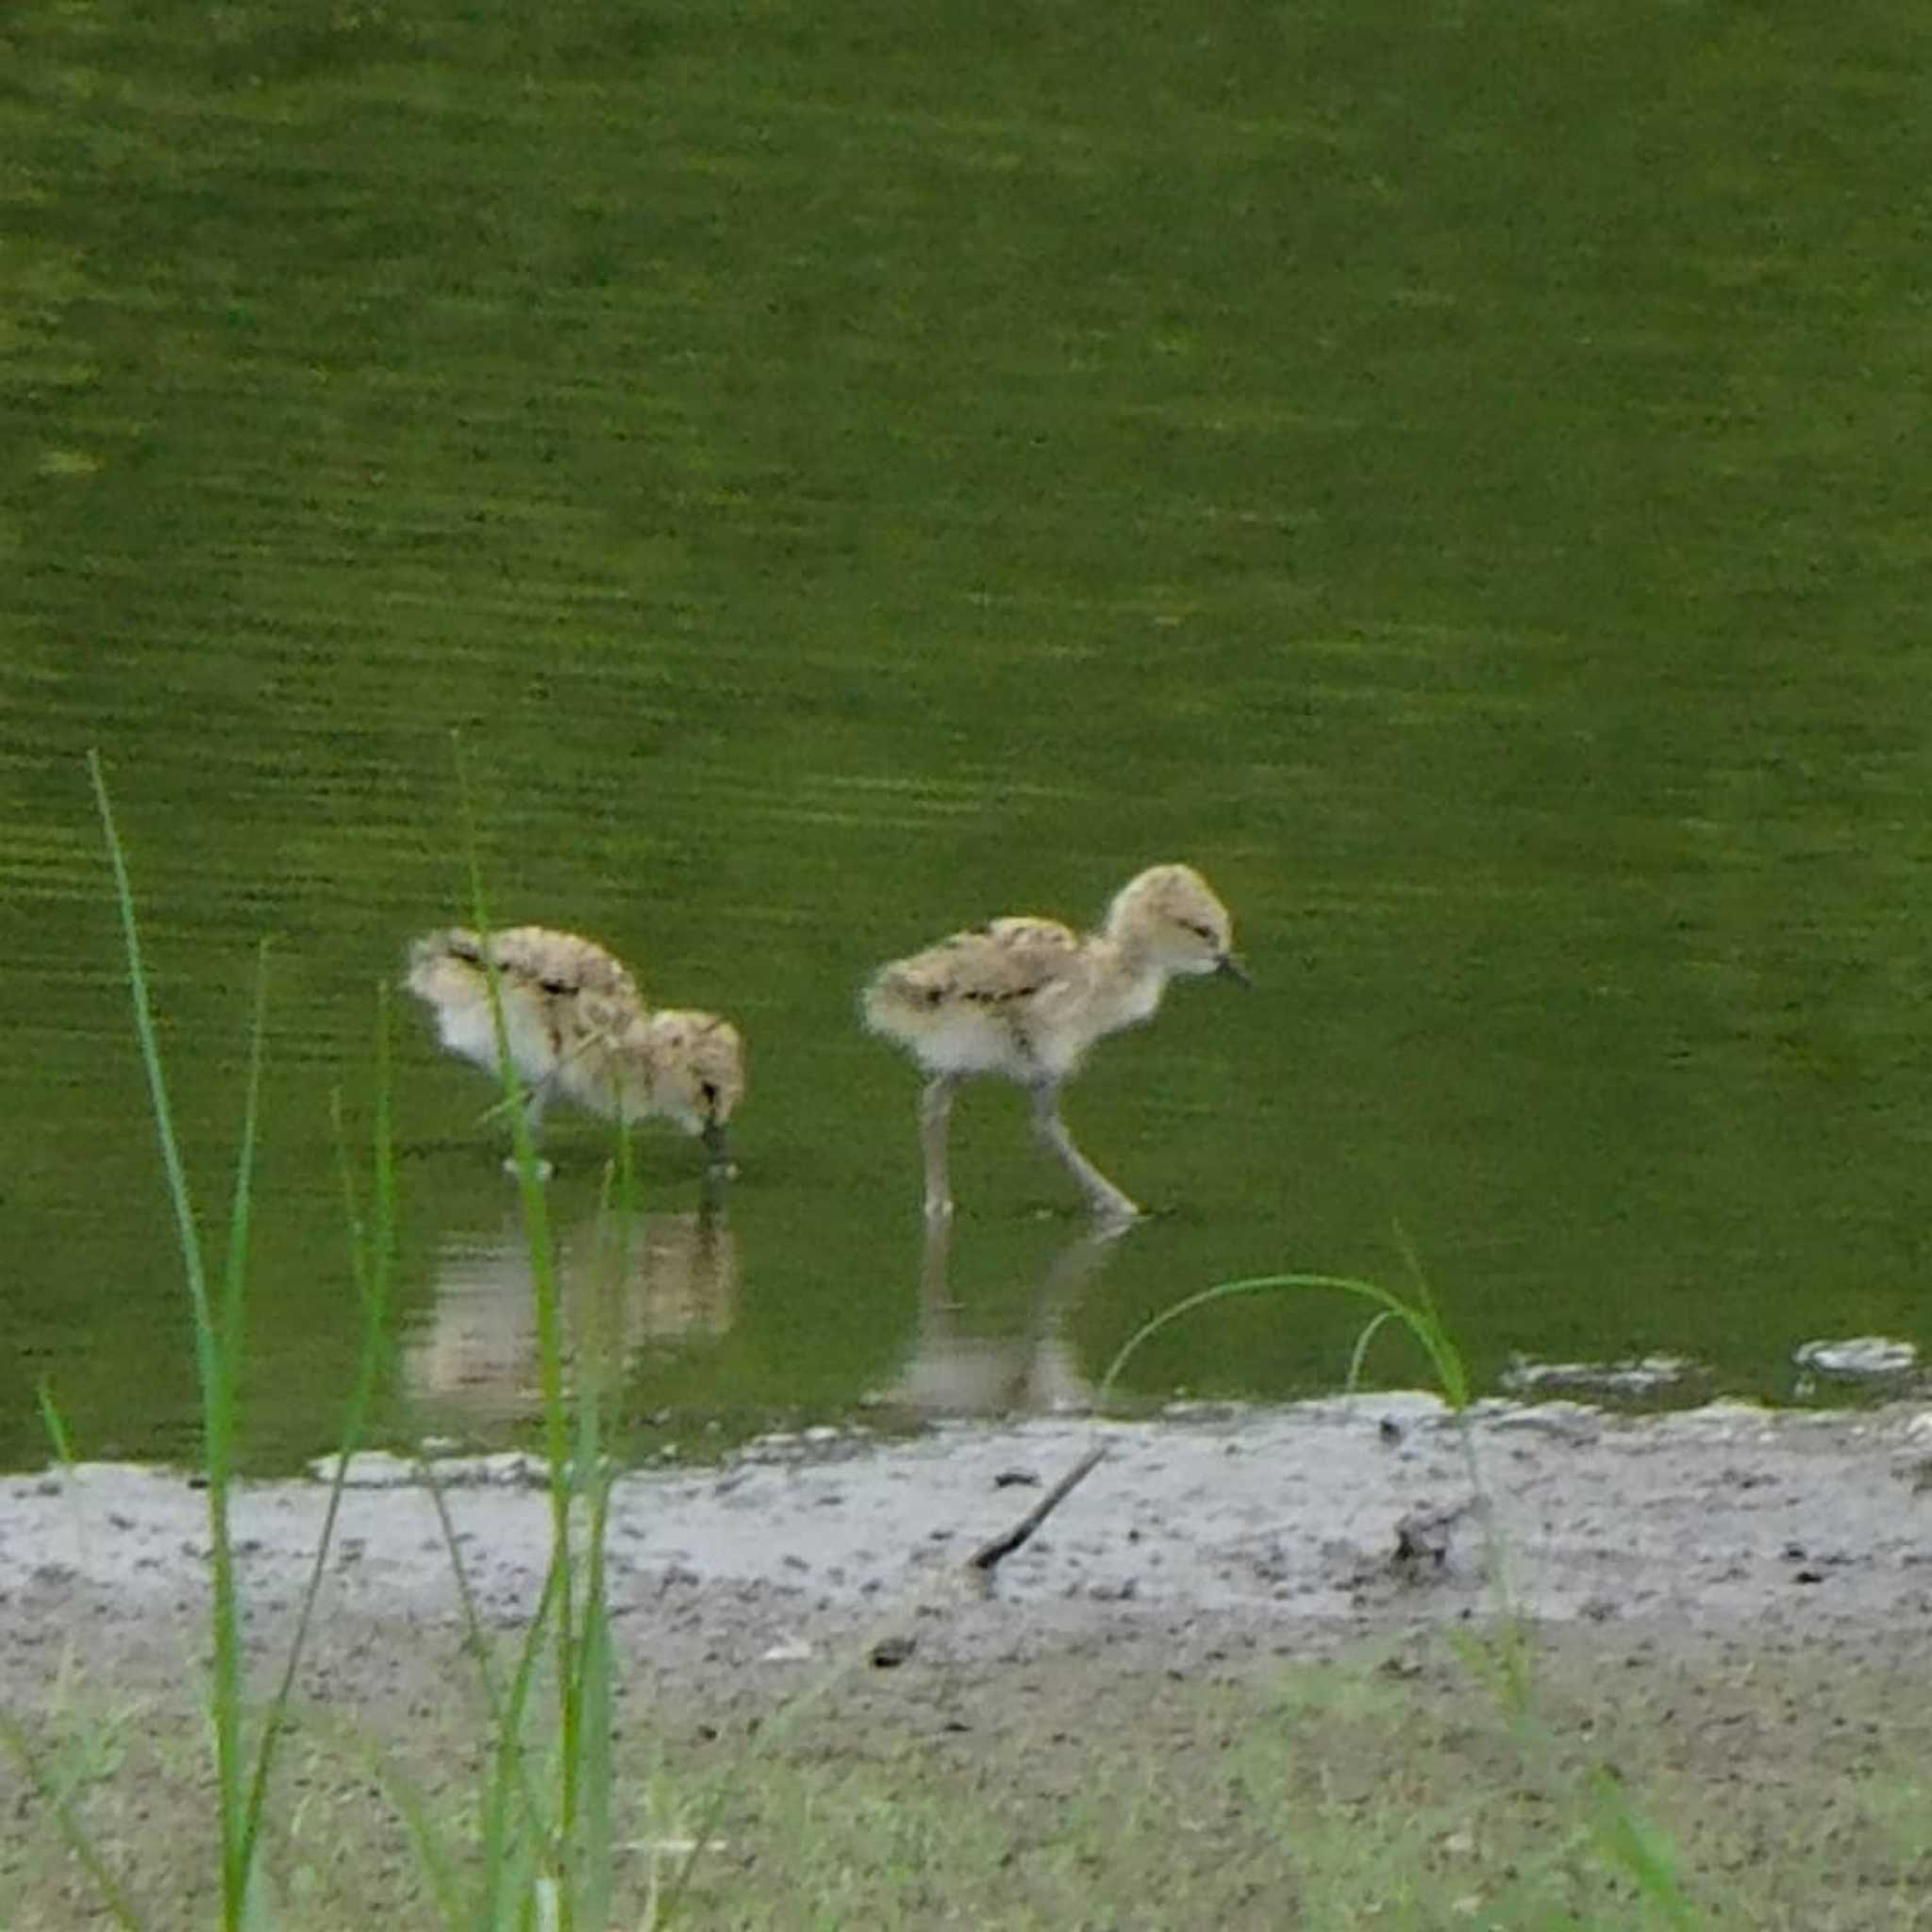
1718,1521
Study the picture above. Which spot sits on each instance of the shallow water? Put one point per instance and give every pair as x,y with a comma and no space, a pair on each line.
1455,488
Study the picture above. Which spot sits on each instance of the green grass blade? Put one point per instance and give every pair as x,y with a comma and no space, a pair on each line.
594,1698
216,1367
509,1778
1630,1842
232,1316
239,1813
407,1800
596,1779
1359,1354
497,1700
238,1836
1418,1316
371,1254
549,1322
51,1794
187,1241
54,1421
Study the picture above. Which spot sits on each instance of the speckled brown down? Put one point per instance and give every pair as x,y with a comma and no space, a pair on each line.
1025,998
579,1029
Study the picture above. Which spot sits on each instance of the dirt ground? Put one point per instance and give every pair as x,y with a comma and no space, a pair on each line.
1286,1521
1766,1574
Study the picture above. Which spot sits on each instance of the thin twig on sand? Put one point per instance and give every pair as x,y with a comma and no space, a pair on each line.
996,1549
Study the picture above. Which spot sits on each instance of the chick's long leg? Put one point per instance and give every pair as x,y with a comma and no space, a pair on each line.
1107,1201
935,1118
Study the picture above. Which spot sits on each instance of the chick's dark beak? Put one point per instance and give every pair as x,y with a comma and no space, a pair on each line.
1230,967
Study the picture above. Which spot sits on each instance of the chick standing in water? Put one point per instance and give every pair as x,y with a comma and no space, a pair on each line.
1025,998
578,1029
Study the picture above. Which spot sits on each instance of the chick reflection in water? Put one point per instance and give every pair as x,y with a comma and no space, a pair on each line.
627,1284
1033,1370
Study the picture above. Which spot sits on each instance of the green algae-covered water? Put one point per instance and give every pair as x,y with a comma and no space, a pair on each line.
1459,480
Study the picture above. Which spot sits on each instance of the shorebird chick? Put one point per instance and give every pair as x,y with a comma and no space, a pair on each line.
1025,998
578,1029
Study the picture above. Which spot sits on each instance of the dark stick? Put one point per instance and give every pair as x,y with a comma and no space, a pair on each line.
993,1551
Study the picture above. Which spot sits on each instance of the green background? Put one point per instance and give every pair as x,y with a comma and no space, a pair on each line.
1456,474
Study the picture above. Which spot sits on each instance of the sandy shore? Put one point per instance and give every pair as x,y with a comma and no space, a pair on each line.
1716,1520
1730,1604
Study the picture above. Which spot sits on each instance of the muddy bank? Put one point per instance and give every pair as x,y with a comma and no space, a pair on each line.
1726,1518
1730,1608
